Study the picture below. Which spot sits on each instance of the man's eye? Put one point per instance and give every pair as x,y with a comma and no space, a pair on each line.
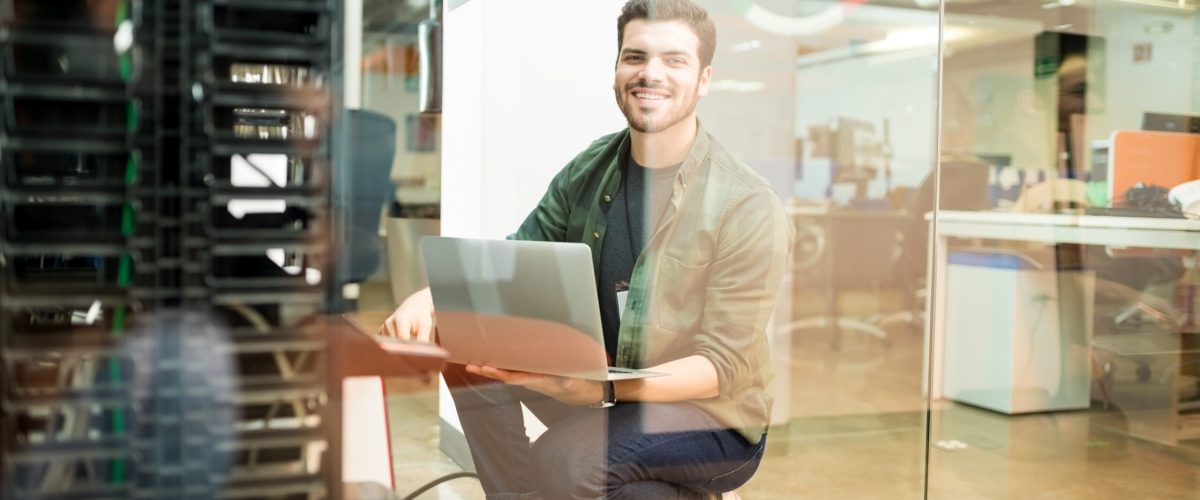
633,58
676,61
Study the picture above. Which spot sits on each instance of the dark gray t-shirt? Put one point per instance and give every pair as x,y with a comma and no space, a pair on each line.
638,206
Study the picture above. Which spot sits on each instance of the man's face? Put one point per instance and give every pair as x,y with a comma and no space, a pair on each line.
659,78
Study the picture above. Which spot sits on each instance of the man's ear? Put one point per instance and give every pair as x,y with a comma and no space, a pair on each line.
705,78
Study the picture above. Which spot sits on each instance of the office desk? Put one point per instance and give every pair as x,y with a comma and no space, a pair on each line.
1061,228
1044,228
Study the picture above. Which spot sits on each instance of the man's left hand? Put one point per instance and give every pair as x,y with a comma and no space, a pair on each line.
574,391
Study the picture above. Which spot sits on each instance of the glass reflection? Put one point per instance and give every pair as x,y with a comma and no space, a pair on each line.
1064,352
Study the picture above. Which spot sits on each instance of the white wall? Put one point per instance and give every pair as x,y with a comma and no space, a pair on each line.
528,85
1164,84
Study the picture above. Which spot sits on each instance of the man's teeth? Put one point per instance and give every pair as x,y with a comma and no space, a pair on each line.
652,97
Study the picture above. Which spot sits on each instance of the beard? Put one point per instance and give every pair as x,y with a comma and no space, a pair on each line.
653,120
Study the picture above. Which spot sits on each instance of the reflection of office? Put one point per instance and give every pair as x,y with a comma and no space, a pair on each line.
1137,333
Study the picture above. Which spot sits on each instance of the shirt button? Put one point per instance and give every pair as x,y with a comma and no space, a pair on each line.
607,198
596,235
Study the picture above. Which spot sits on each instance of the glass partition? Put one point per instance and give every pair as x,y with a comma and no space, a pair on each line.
835,104
1064,354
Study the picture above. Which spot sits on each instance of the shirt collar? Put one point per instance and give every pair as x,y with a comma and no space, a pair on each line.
695,156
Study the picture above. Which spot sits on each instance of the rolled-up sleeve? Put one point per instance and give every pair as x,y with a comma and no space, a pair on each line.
744,278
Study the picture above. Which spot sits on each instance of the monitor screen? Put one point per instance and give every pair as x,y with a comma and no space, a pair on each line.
1164,122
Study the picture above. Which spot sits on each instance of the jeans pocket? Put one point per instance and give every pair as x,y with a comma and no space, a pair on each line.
731,480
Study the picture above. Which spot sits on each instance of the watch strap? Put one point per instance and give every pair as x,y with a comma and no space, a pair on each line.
608,395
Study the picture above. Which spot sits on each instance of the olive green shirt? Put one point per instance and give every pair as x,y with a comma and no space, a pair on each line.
706,282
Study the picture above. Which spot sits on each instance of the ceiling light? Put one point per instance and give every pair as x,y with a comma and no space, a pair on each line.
739,86
747,46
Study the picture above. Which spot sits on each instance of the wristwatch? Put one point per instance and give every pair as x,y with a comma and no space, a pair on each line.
609,395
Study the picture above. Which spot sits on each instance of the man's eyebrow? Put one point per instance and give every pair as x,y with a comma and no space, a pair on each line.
642,52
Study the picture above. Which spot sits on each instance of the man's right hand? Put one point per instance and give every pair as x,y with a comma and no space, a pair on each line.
413,320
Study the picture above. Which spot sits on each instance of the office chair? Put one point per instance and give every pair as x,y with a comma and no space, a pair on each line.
963,187
361,188
837,252
880,249
1123,300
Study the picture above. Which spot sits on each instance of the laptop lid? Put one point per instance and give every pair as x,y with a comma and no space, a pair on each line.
518,305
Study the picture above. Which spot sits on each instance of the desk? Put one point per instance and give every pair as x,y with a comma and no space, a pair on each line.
1044,228
1062,228
1156,420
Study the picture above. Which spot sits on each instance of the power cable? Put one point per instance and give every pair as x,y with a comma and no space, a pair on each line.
430,485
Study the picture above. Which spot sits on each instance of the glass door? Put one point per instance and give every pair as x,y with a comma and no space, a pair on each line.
1064,354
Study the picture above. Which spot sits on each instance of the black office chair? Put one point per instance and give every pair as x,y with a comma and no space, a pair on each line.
838,252
361,188
963,187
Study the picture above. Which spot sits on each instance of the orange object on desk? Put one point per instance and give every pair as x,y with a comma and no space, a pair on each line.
1163,159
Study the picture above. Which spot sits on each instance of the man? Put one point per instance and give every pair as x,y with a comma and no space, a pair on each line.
699,242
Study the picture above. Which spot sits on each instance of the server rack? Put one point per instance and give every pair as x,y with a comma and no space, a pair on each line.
164,241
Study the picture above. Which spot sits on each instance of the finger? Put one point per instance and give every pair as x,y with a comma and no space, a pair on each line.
472,368
404,327
387,328
424,328
394,326
525,379
492,372
479,370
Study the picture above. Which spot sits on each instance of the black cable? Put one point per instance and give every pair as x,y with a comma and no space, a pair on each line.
428,486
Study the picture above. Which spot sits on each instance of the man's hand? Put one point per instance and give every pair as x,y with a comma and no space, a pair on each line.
413,320
574,391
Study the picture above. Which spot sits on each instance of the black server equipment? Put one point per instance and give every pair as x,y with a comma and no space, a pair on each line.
164,247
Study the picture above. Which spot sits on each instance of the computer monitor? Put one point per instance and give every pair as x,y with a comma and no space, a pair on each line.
1166,122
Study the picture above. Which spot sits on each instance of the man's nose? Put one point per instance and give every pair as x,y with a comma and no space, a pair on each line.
652,71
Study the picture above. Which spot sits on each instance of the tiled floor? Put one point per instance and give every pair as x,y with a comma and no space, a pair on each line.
413,421
858,430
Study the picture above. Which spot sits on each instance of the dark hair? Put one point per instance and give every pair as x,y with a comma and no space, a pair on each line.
672,10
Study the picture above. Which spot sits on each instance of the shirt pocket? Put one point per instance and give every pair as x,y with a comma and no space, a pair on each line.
680,294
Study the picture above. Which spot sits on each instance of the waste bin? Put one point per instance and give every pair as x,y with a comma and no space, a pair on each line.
1017,333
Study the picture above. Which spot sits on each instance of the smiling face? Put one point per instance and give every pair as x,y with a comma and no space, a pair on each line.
659,79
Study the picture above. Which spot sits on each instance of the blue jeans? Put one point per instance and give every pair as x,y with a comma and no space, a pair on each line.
631,450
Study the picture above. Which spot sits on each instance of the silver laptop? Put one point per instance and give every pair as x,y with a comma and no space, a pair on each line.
519,305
